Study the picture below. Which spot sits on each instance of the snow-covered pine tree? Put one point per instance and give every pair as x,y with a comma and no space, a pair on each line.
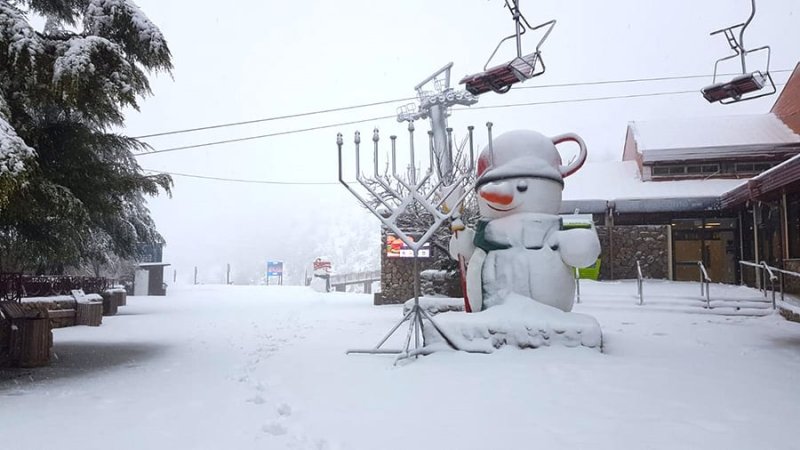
68,184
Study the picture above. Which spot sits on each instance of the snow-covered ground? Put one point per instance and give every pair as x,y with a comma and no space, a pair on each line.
226,367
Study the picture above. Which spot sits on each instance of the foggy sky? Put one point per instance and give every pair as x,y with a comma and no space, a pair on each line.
254,59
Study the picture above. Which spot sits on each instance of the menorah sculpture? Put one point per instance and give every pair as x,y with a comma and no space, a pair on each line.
437,198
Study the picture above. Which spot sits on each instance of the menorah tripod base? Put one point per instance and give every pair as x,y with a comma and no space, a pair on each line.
415,318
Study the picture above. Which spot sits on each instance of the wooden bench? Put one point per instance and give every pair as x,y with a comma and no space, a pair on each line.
110,304
89,312
28,334
62,318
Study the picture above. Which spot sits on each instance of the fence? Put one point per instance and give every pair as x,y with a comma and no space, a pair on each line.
14,286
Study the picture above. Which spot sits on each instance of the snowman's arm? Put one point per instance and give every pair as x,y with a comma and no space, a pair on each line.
474,280
462,243
579,247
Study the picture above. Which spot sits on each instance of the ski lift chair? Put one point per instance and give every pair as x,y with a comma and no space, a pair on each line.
523,67
748,85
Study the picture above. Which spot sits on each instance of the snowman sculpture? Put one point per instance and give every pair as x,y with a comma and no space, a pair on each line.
518,249
322,269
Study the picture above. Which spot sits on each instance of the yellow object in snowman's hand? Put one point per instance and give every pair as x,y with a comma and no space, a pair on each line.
451,201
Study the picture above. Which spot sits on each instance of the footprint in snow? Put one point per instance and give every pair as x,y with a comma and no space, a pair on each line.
274,428
257,400
285,410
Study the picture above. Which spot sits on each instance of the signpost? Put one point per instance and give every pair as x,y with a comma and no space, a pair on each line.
396,248
275,269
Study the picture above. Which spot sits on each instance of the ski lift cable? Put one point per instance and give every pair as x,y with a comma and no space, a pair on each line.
262,136
241,180
268,119
633,80
582,100
373,119
384,102
319,183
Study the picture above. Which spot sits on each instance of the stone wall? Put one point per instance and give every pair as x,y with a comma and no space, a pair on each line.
791,284
397,274
649,244
789,314
443,283
397,279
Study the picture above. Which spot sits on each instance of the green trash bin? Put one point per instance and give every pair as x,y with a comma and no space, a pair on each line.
570,221
590,273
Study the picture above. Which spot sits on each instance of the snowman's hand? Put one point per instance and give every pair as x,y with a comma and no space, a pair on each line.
579,247
462,243
552,240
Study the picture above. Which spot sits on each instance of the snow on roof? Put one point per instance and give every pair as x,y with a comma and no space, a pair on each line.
767,181
152,264
681,138
618,180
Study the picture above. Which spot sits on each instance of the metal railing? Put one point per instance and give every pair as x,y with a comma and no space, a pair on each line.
356,277
639,282
768,271
577,285
705,283
10,287
781,273
772,278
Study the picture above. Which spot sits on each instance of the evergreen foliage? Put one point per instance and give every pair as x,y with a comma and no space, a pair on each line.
71,191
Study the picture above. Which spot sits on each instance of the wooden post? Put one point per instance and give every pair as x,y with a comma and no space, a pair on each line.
31,342
784,229
109,303
29,335
5,341
121,297
755,243
89,313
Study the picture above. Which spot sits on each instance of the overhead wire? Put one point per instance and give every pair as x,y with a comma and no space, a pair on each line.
302,130
397,100
262,136
634,80
241,180
269,119
374,119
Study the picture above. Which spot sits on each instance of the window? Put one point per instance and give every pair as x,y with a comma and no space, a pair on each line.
677,170
691,170
752,168
660,171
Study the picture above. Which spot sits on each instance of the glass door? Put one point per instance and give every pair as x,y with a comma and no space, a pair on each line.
712,241
687,248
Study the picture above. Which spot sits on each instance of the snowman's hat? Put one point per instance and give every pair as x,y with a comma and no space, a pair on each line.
526,154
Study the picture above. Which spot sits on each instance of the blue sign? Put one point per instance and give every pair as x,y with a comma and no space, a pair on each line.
274,268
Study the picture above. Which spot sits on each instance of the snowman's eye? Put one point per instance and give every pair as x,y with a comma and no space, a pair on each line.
522,186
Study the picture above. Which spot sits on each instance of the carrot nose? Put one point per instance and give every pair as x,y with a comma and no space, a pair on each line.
498,198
